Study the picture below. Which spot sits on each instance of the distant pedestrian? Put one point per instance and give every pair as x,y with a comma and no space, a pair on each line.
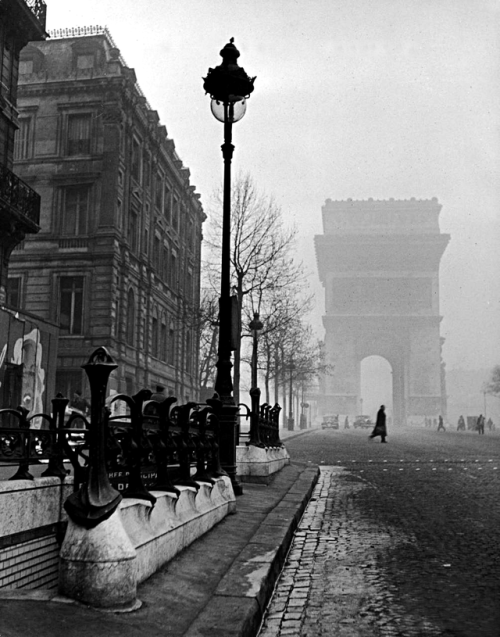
480,424
346,422
461,424
441,424
489,424
380,427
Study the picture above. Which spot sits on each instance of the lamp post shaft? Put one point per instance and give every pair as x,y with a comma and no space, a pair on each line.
223,380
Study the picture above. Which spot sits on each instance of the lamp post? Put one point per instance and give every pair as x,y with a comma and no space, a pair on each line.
291,422
255,326
229,87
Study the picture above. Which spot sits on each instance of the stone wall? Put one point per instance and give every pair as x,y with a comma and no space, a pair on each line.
32,522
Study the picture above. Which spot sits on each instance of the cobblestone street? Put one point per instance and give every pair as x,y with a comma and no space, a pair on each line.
399,540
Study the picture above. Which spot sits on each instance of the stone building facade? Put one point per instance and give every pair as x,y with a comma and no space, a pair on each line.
28,344
20,22
379,264
117,260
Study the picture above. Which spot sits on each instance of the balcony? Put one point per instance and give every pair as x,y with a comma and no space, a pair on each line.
39,9
17,197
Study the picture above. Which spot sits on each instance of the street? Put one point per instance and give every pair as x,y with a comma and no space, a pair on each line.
398,539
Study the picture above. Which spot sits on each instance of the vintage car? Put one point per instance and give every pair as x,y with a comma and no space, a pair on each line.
363,422
330,422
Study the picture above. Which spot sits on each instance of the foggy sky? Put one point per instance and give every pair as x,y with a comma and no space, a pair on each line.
353,98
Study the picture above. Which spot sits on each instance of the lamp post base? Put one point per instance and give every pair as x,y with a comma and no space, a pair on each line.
291,424
227,451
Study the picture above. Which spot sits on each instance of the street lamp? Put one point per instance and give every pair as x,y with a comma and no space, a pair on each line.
229,88
291,421
255,327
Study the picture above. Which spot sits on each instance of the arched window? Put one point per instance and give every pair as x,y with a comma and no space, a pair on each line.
130,318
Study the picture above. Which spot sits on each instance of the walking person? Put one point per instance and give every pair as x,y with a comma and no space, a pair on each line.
380,426
461,424
346,422
480,424
441,424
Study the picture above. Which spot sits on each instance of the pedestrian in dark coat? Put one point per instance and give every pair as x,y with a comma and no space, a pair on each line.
441,424
480,424
380,426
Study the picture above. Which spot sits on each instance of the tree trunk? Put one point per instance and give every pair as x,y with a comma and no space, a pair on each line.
237,351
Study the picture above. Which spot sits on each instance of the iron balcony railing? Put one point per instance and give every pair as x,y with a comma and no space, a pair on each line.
39,10
17,195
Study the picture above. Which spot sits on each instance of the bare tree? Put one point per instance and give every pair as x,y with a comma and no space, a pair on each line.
209,330
261,253
492,386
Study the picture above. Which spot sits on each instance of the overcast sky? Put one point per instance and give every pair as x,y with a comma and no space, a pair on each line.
353,98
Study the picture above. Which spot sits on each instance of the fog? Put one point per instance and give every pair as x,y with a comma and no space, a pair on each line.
353,98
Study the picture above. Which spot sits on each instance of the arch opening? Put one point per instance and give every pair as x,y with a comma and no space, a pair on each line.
376,386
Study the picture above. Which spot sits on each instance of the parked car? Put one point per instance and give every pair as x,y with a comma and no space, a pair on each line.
330,422
363,422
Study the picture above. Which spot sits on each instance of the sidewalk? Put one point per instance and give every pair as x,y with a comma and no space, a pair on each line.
220,585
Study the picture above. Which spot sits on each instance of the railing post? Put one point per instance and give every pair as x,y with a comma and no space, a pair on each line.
56,462
255,431
215,467
96,499
97,561
165,447
136,488
276,419
23,472
186,446
202,448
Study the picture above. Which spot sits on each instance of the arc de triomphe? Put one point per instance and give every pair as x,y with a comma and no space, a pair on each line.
379,264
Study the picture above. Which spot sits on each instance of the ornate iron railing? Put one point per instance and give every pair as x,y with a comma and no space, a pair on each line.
39,9
155,446
264,422
18,195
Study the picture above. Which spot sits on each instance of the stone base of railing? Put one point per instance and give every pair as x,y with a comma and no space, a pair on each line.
104,573
257,464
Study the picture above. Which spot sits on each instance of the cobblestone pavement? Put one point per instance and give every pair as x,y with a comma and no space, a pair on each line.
396,540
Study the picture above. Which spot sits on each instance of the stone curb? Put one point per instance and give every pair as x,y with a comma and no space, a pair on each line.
239,601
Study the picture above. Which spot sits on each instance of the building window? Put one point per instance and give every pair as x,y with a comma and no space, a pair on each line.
119,214
14,292
171,346
75,214
168,205
136,160
163,342
157,254
68,382
133,231
79,134
154,337
23,139
147,171
173,271
175,215
145,248
130,335
159,191
71,305
165,265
